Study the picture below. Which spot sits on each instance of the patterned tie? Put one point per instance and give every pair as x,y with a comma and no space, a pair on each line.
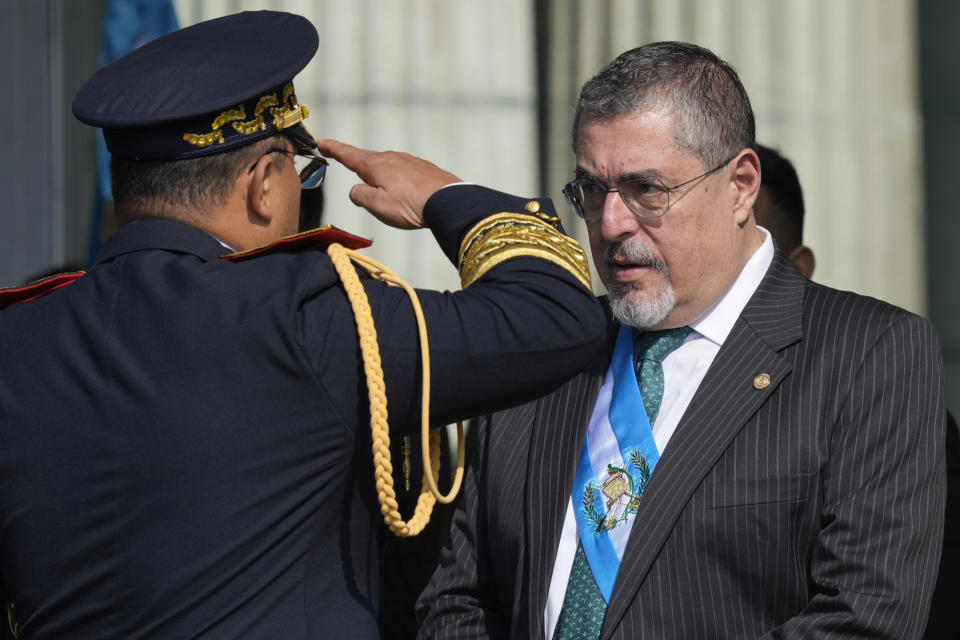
581,617
652,348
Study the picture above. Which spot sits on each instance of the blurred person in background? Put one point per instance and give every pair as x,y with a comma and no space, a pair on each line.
779,208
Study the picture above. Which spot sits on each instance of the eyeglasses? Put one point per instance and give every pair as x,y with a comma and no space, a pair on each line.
310,165
645,198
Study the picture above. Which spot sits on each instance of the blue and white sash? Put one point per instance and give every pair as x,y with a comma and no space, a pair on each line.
615,464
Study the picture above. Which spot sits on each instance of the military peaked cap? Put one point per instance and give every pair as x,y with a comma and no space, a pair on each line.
207,88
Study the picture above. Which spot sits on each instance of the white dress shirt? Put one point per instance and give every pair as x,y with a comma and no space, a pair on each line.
683,370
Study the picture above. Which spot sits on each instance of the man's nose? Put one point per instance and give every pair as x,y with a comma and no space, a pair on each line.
617,222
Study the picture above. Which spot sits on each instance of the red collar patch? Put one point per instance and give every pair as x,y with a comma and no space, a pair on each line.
314,240
10,296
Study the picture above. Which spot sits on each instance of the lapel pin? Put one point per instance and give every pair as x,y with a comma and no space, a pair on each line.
762,381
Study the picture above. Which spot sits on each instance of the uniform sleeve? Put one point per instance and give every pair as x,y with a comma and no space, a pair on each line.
875,562
524,323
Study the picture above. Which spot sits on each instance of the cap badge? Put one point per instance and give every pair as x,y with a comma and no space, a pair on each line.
285,111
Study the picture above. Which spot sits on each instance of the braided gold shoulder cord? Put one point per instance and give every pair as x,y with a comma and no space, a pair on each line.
379,429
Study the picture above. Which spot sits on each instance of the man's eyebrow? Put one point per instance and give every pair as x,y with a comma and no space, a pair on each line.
642,176
639,176
583,174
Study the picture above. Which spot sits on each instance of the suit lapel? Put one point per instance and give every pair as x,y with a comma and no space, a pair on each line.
724,402
559,428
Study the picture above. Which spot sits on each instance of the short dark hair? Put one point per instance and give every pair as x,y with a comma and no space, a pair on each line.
151,187
780,182
713,116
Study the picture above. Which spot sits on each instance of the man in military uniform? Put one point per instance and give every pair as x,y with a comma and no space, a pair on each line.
185,450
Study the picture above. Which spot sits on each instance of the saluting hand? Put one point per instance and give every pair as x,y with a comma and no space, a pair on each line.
395,187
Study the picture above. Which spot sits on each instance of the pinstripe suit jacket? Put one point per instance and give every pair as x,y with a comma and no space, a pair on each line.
812,508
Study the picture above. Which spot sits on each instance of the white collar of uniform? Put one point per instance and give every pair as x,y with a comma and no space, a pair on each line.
718,321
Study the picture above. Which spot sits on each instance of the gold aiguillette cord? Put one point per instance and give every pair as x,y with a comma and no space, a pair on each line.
379,429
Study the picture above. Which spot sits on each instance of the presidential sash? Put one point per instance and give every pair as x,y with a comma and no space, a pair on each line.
614,467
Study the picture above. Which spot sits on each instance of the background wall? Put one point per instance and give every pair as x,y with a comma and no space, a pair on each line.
860,94
47,164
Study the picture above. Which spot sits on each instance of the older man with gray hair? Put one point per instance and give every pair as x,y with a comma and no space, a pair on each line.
752,455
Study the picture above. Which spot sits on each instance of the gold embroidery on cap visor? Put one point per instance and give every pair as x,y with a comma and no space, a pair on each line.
510,235
285,111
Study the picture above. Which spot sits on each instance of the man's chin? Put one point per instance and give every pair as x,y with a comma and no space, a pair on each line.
638,308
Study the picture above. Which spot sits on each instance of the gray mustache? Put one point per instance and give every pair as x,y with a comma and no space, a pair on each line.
636,253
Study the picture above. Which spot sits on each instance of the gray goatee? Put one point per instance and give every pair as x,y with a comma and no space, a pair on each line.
649,310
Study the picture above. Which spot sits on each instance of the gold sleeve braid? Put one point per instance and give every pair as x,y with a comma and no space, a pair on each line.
376,392
504,236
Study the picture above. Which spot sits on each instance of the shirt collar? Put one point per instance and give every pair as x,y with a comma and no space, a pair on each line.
717,323
224,244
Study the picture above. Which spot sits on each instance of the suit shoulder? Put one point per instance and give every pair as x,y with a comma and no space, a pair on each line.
821,299
850,316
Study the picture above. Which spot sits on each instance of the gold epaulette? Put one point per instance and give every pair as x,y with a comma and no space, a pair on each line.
503,236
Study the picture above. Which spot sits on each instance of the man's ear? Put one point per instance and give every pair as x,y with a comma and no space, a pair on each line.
260,190
747,183
802,258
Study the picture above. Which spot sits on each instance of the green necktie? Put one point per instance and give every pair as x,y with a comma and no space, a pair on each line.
581,617
652,348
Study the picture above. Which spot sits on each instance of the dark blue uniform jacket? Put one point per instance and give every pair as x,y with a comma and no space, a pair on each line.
184,441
